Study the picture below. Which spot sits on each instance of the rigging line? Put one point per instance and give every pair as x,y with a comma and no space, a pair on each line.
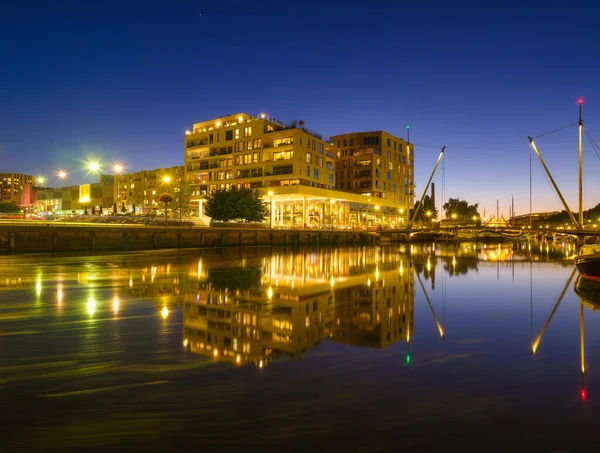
555,130
427,146
592,142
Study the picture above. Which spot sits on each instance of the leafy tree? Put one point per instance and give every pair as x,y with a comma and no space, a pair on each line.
460,210
114,208
235,204
165,198
9,206
85,211
428,206
93,209
123,210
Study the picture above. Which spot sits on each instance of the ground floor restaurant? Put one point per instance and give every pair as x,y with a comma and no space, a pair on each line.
309,207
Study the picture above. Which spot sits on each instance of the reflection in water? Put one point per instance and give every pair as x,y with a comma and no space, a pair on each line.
102,350
293,300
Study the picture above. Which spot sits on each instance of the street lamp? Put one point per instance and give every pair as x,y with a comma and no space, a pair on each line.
117,170
62,175
166,179
270,209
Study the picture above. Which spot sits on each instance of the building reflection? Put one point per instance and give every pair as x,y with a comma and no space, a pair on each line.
290,301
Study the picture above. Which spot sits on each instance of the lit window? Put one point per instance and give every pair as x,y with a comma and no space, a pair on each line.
248,131
309,158
237,133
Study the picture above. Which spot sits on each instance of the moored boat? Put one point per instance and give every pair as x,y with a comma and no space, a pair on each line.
588,260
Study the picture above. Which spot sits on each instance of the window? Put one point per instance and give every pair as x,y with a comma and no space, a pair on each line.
321,161
379,162
308,143
257,143
388,142
283,155
390,165
249,145
228,135
389,154
283,141
377,172
210,138
388,176
308,171
351,142
238,147
237,134
330,176
345,142
309,158
248,131
321,148
316,173
393,187
371,140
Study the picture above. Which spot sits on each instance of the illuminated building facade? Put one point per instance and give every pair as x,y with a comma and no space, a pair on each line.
66,200
290,165
12,186
376,164
143,188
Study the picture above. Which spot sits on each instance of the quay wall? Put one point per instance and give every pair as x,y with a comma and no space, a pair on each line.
55,238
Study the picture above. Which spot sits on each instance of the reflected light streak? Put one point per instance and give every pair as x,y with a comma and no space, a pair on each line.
165,312
91,306
116,305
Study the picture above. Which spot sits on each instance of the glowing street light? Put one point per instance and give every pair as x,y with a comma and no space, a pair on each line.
166,179
118,169
93,166
41,180
62,175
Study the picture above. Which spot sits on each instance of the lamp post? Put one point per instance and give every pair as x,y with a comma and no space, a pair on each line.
93,167
270,209
42,182
117,169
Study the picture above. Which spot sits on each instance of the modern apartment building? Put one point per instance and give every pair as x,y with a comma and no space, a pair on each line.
143,188
292,166
12,186
376,164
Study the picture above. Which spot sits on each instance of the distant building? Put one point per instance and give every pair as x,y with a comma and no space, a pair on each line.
12,186
143,188
66,200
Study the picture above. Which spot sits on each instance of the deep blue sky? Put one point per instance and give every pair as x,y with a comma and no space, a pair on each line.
124,80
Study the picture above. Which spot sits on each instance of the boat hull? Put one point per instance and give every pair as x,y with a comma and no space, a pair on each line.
588,266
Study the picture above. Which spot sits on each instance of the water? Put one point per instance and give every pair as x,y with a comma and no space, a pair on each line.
350,349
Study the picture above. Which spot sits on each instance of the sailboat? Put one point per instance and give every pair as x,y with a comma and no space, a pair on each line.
587,262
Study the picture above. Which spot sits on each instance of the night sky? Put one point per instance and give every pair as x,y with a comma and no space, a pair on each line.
123,81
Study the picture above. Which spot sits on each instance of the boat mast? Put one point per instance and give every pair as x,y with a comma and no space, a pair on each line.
580,166
420,205
556,189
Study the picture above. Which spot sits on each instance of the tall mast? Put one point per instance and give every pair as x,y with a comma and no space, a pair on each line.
580,166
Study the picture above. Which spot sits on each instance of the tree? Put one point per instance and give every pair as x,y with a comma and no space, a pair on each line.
93,209
428,207
114,208
182,196
165,198
123,210
235,204
85,211
460,210
9,207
